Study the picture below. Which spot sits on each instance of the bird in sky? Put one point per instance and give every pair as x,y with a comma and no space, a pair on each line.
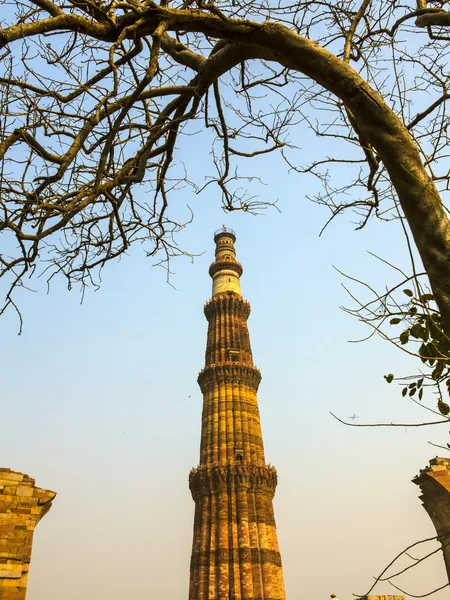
353,417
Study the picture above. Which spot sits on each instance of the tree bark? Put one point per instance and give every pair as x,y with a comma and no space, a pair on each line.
418,196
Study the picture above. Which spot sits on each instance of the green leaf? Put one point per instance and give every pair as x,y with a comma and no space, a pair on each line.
412,392
404,337
408,293
389,377
420,393
428,351
423,353
443,348
412,385
418,331
419,383
443,407
395,321
437,373
426,297
413,310
404,391
435,333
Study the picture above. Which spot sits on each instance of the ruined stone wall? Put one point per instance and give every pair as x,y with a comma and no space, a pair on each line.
434,482
382,598
22,505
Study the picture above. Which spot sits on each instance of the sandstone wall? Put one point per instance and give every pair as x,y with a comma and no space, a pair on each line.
434,482
382,598
22,505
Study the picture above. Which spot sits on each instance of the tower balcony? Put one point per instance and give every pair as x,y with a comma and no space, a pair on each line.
226,265
229,372
227,302
224,232
211,478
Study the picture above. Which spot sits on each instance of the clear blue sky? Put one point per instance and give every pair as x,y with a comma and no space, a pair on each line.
100,403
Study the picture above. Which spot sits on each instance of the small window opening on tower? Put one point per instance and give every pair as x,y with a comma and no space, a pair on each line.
233,354
229,280
239,458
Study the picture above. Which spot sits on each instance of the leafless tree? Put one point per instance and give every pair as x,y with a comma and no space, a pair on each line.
392,572
97,96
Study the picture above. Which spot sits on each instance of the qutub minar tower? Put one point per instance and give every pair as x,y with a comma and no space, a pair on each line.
235,552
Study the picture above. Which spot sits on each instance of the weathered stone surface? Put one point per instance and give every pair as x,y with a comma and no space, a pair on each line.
235,553
22,506
434,482
382,598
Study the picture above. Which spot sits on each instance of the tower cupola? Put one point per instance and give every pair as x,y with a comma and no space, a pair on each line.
225,270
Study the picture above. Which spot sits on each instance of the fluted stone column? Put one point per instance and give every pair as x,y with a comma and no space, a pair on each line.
22,506
434,482
235,552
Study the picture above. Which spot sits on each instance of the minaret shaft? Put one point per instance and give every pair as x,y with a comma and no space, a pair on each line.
235,552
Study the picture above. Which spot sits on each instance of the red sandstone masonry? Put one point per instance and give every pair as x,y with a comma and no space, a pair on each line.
235,554
382,598
434,482
22,506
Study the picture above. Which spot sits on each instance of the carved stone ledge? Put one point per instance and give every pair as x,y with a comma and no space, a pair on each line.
227,302
225,265
228,372
211,479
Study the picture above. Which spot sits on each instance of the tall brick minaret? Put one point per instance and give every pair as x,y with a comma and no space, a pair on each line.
235,552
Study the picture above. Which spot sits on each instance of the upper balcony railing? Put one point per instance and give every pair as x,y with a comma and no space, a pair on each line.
224,231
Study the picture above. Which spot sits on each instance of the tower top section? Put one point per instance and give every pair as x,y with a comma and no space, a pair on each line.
224,231
225,270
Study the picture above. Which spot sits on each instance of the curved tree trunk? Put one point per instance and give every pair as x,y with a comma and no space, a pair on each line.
418,196
242,40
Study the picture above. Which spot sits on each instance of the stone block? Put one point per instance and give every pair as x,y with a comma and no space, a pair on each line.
11,571
11,476
8,583
24,490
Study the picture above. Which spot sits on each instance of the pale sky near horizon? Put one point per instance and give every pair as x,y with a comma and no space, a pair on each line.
100,404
